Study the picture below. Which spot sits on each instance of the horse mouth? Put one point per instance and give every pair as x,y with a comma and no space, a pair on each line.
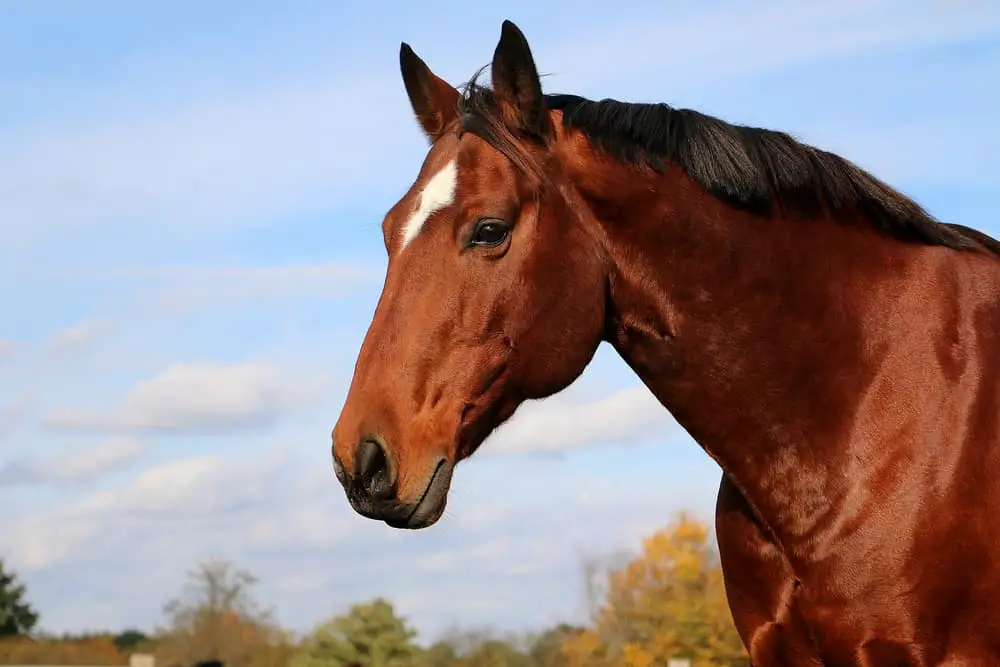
430,507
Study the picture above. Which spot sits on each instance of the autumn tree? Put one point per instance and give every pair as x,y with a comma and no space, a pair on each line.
17,617
368,635
83,649
545,648
668,602
218,618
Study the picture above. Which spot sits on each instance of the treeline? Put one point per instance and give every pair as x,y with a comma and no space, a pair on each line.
68,649
666,602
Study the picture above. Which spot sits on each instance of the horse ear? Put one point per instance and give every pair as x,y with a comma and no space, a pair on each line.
516,84
434,100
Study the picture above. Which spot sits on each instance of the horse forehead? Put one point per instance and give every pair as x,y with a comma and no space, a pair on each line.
432,195
437,186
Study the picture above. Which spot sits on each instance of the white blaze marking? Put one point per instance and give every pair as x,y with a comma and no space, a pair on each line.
438,193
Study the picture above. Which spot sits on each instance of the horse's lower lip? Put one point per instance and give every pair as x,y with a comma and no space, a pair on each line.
430,507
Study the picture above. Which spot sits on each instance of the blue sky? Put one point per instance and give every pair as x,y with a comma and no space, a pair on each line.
190,200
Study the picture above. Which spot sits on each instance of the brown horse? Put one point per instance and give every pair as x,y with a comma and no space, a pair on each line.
831,345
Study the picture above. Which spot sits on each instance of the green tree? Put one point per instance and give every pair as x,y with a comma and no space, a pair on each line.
439,654
16,616
495,652
128,640
368,635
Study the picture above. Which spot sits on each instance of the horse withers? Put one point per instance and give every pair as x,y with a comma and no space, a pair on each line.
830,344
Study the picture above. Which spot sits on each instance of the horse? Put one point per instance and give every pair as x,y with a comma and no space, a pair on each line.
830,344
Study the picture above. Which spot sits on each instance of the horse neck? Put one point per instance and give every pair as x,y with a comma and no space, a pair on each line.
751,331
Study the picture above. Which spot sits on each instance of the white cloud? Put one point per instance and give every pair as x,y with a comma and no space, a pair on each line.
215,162
110,455
187,286
7,348
13,413
204,487
285,518
189,487
42,543
246,155
746,38
76,336
198,397
563,422
70,467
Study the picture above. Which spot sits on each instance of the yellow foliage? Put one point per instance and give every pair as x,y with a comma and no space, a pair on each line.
668,602
584,649
634,655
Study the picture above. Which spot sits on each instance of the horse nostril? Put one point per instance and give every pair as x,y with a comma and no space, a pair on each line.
371,465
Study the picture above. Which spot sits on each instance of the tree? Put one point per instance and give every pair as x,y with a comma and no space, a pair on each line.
668,602
494,652
218,618
368,635
546,647
16,616
130,639
439,654
81,649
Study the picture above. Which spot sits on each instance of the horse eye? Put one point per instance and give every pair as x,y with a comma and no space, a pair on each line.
489,233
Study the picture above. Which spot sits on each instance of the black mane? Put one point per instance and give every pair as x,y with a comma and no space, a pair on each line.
752,168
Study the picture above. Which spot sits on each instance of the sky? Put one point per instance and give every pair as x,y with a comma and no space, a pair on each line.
190,254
